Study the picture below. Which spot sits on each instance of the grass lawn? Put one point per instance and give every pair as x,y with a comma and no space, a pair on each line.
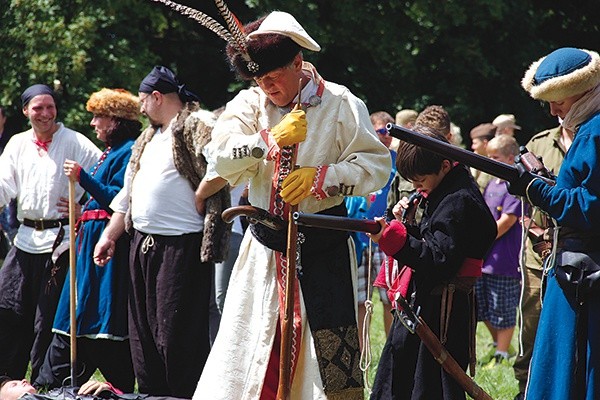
499,382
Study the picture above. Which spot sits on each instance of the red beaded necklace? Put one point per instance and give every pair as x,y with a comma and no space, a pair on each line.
101,160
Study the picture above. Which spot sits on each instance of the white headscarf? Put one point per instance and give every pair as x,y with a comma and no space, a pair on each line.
582,109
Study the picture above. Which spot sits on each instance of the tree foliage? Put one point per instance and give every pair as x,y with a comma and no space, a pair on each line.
467,55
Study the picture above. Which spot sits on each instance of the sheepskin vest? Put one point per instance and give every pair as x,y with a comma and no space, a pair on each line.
191,132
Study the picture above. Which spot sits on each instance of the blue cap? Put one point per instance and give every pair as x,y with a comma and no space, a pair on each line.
563,73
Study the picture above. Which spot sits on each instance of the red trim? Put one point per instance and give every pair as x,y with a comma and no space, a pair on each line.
113,389
393,238
94,214
317,187
272,147
471,267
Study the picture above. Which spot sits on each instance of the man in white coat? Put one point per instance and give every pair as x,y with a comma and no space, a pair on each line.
338,154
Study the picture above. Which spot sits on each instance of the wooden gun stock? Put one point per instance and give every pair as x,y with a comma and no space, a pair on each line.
255,215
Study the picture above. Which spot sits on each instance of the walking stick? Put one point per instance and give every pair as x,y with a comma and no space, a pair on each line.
72,282
287,324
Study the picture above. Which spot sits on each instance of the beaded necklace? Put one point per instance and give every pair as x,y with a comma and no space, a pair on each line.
95,169
101,160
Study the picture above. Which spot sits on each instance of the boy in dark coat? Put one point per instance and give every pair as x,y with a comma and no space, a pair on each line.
445,252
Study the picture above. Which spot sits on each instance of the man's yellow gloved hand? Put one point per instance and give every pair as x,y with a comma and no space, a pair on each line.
291,129
296,186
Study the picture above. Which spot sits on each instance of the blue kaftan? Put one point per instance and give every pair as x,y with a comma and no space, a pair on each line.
574,202
101,291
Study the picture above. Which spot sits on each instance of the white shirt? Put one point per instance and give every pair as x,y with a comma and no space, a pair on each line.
37,182
162,201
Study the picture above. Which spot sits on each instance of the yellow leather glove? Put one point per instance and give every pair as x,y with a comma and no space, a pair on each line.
291,129
296,186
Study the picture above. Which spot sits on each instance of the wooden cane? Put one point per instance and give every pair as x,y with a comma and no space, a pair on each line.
72,283
287,324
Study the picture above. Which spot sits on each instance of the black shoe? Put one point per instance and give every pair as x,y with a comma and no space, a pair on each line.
520,396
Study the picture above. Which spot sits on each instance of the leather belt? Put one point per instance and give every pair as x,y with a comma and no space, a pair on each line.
42,224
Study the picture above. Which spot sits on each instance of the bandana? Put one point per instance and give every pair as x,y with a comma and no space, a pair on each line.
36,90
163,80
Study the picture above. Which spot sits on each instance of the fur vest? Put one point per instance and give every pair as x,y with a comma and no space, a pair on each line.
191,132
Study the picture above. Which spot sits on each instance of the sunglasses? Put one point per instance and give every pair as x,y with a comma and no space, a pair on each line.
382,131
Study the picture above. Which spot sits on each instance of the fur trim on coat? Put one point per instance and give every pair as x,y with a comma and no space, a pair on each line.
191,132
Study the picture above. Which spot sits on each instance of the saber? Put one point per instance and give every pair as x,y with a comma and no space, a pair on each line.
415,324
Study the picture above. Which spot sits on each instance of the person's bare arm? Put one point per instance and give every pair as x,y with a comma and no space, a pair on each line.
207,188
504,223
105,247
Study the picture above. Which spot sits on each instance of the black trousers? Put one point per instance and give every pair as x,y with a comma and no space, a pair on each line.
111,357
29,293
168,313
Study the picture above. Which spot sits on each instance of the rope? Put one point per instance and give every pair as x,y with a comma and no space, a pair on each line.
365,353
147,244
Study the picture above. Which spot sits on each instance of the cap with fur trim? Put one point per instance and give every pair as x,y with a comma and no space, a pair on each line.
282,23
117,103
561,74
270,46
505,121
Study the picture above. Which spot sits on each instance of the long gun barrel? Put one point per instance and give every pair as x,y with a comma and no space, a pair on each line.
496,168
336,223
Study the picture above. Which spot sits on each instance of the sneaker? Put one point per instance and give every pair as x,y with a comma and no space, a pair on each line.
496,360
520,396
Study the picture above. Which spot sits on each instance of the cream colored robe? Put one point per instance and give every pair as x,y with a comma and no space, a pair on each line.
340,135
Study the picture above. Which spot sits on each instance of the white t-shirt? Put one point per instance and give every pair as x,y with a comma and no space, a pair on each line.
162,201
37,182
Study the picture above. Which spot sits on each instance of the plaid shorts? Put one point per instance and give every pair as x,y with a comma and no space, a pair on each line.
377,258
497,300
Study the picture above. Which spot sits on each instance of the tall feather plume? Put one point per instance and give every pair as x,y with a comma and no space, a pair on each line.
234,36
233,24
200,17
237,32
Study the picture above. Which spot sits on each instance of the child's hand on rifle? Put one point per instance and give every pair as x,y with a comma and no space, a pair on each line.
376,236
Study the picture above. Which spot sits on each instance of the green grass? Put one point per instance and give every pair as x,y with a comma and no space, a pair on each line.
499,382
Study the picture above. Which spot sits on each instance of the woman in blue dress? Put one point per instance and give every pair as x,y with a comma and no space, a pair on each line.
101,314
566,361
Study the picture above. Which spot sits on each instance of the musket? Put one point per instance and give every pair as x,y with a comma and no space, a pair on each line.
496,168
415,324
254,215
336,223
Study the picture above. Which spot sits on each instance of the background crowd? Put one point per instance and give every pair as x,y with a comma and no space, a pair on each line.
134,208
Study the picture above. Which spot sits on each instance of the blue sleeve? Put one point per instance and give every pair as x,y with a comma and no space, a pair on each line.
574,200
105,192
